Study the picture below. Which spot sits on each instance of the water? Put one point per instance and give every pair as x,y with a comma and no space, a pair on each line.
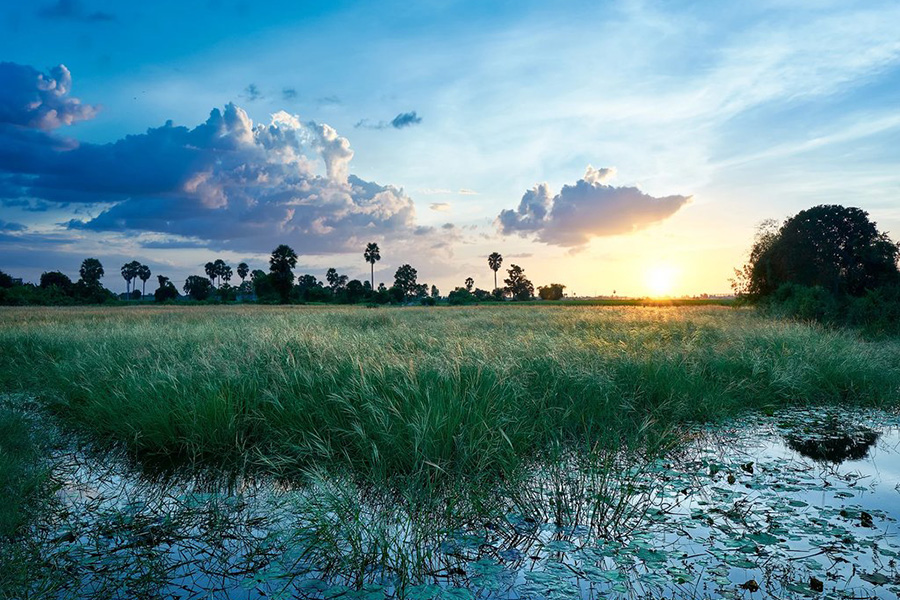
802,504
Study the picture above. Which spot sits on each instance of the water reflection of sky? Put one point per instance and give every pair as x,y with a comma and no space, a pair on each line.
734,506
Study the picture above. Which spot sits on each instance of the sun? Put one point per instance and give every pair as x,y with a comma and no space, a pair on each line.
661,279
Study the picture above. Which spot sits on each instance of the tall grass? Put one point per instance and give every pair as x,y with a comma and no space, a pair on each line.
426,393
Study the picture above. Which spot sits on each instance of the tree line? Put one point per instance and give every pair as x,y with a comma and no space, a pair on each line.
278,284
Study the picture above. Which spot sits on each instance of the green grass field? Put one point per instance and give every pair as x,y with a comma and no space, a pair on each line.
403,424
416,391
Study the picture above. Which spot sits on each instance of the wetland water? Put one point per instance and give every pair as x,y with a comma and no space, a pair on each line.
801,504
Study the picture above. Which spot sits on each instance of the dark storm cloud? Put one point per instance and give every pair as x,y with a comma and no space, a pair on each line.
227,182
586,210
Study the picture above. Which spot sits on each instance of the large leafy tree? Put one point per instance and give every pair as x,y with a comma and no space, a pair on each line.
91,271
829,246
554,291
518,286
494,262
470,283
372,256
144,274
56,279
405,281
281,274
198,287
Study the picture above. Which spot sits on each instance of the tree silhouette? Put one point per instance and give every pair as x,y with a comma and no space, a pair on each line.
517,284
405,281
494,262
129,273
832,247
197,287
220,268
554,291
242,271
281,263
226,274
56,279
372,255
91,271
470,283
144,273
210,269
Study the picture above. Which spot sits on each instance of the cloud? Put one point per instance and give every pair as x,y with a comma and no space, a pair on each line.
440,206
328,100
466,192
401,121
252,93
288,94
405,120
10,226
586,210
29,98
72,10
228,182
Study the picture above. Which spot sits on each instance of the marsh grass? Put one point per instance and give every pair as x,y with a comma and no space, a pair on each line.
422,394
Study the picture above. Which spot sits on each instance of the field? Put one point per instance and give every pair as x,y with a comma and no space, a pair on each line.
448,411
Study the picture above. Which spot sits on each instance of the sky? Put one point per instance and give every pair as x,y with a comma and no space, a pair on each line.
614,147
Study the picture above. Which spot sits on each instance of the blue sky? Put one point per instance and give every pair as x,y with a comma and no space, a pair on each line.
712,117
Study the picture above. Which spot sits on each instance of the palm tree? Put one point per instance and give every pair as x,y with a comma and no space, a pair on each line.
129,272
494,262
243,270
281,263
144,273
127,275
219,268
372,255
210,269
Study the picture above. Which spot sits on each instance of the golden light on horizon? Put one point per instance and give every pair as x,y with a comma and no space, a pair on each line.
660,279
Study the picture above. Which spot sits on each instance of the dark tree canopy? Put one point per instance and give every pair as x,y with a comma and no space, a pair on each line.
281,265
517,285
57,279
405,281
833,247
91,271
554,291
197,287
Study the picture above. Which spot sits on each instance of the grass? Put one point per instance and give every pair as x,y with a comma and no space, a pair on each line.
404,424
415,392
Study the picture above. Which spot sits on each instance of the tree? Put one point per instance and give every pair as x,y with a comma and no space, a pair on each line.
6,281
494,262
56,279
435,293
828,246
281,265
129,273
405,281
198,287
336,281
242,271
517,285
221,270
372,256
144,273
470,283
554,291
210,269
165,291
91,271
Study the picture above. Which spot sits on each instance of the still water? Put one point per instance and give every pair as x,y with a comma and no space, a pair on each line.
800,504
